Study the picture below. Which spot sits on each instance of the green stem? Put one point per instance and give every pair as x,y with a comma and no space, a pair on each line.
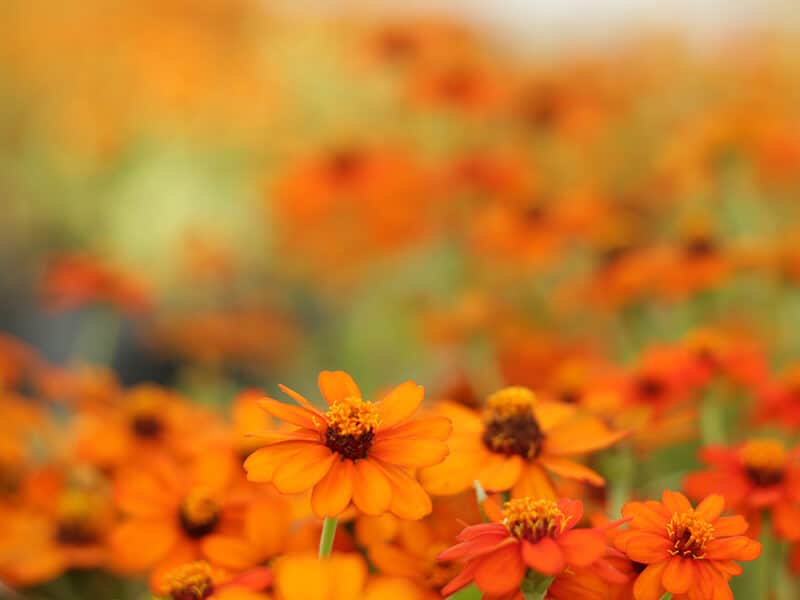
666,596
535,586
620,472
328,533
785,588
480,498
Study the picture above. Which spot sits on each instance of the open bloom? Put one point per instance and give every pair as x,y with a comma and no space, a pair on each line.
198,581
759,474
537,534
689,552
514,445
357,451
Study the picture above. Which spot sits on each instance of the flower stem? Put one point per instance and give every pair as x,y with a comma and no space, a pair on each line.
328,533
620,473
480,498
712,420
535,586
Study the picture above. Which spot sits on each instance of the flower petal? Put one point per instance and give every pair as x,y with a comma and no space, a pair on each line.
304,469
733,548
437,428
137,545
582,547
500,473
296,415
409,500
571,470
675,502
371,491
230,552
544,556
409,453
647,548
711,507
262,463
500,572
581,436
533,482
337,385
678,575
648,584
399,404
332,493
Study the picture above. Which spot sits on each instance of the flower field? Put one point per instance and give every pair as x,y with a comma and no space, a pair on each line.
336,308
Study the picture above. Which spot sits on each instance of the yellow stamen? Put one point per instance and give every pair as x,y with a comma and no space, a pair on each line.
763,455
510,402
199,508
529,519
191,581
689,534
352,416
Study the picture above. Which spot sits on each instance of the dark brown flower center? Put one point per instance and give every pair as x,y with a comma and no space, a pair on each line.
350,446
199,515
510,425
650,388
147,426
700,246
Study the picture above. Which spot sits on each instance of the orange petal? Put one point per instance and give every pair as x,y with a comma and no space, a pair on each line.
501,571
337,385
647,516
533,482
437,428
675,502
545,556
582,547
262,463
304,469
138,545
736,525
454,474
552,414
300,399
581,436
409,453
371,491
647,548
230,552
266,525
500,473
711,507
648,584
409,500
296,415
399,404
333,492
733,548
678,575
571,470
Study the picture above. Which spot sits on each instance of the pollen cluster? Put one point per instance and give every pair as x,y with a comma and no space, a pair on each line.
689,534
80,515
351,427
510,423
191,581
532,520
764,461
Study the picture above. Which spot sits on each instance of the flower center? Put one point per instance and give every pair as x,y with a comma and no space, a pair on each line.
689,534
351,427
764,461
147,426
510,423
532,520
650,388
80,517
700,246
199,514
191,581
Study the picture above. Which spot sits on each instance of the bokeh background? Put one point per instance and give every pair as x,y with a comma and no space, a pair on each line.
223,194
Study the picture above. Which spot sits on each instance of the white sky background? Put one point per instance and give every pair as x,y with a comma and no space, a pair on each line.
558,22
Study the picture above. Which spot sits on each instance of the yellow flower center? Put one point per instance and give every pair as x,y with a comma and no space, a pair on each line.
764,461
351,427
532,520
191,581
510,423
80,516
689,534
199,513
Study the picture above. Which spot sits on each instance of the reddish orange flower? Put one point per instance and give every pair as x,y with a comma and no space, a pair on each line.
516,443
689,552
778,401
759,474
358,451
76,280
536,534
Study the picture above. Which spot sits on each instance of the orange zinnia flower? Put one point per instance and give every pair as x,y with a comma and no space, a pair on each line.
198,581
515,444
357,451
757,475
689,552
536,534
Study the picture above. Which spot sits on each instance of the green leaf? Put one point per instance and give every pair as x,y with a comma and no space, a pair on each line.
535,585
468,593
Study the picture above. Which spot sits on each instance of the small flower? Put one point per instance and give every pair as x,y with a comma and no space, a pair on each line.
358,451
198,581
536,534
515,443
689,552
759,474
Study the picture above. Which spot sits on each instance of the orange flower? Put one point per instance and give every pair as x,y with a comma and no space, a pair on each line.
759,474
169,510
305,577
536,534
63,524
198,581
516,443
689,552
357,451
